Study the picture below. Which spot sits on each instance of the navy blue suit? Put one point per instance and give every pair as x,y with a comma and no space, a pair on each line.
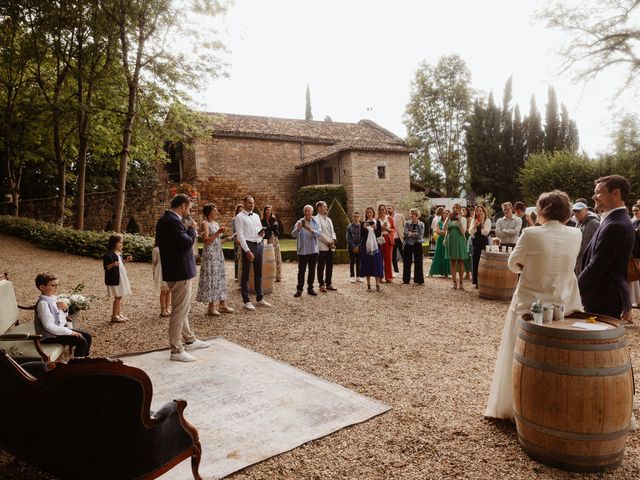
176,248
603,281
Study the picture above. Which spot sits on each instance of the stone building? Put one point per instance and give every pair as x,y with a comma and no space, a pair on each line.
271,158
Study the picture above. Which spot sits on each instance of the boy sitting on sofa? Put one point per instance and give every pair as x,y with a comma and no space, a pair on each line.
51,318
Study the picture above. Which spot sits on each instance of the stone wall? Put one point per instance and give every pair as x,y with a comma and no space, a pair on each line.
230,168
145,204
365,189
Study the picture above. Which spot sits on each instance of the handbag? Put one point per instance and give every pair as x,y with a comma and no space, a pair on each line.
633,269
381,240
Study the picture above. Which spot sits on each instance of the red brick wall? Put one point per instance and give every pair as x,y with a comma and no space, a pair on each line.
230,168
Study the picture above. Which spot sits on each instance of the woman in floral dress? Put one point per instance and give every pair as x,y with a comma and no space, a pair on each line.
212,285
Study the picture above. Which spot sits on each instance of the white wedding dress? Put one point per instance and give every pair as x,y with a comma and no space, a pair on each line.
548,254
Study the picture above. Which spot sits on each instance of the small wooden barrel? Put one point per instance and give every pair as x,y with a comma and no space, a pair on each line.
495,280
268,270
572,393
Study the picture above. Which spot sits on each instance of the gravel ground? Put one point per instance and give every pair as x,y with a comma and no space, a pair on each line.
429,352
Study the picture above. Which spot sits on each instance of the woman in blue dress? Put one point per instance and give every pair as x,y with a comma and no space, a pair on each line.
370,254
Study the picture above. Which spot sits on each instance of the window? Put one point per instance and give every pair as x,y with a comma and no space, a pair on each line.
382,171
328,175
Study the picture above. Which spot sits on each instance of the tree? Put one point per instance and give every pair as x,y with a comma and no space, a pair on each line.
436,115
307,108
603,34
535,134
626,137
563,170
552,137
569,138
93,61
150,60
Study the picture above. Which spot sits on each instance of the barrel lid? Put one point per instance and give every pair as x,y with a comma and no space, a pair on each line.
564,328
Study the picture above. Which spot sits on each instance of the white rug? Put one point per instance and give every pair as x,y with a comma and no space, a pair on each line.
248,407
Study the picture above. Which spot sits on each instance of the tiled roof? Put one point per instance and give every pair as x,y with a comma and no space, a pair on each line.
364,135
333,150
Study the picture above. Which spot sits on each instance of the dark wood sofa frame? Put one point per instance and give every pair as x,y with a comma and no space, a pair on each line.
107,430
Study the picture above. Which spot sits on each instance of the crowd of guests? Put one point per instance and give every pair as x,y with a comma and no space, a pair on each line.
375,241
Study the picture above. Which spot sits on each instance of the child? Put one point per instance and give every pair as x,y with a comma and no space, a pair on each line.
51,320
354,231
115,276
165,293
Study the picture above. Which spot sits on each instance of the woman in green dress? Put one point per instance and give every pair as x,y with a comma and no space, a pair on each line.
468,214
439,264
455,244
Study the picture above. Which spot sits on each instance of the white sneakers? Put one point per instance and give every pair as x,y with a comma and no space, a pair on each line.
360,279
195,345
250,306
352,279
182,357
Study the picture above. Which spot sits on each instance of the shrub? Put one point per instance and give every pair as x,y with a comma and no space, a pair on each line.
132,226
311,194
76,242
340,223
109,226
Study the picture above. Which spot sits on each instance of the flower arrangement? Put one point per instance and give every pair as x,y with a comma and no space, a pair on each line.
75,301
184,187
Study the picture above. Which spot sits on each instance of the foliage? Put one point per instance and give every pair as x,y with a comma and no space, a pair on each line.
498,141
487,201
563,170
439,104
626,164
340,222
414,200
311,194
75,301
132,226
75,242
603,35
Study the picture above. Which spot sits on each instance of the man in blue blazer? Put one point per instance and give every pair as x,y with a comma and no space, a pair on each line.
175,235
603,281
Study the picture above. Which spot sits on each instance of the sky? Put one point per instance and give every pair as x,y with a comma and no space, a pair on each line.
359,57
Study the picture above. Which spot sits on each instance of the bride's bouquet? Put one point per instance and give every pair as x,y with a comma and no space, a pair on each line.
75,301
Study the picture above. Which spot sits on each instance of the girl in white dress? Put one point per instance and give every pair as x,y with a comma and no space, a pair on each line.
545,258
115,276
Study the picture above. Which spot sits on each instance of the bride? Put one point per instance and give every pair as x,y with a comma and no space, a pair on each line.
545,258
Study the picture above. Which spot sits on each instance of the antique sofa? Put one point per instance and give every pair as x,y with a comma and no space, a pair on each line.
91,419
20,340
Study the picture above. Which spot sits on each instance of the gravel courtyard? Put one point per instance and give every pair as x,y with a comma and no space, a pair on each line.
427,351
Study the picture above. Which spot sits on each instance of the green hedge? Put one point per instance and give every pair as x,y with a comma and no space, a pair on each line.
311,194
76,242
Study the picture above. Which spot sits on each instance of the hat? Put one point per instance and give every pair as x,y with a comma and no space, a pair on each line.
579,206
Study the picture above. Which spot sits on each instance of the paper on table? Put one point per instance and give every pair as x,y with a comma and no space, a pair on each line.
591,326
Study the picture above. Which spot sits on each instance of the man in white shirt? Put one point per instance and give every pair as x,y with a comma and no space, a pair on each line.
326,246
508,227
399,221
249,232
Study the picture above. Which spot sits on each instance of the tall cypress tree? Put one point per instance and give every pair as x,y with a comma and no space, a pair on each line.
552,136
568,131
535,134
507,167
307,111
519,144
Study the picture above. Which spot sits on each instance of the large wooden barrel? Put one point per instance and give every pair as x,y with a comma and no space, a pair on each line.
495,280
268,270
572,393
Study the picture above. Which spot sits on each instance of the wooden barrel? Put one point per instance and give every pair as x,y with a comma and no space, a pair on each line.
268,270
495,280
572,393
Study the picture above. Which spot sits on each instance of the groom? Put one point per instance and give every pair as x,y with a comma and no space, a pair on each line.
603,281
